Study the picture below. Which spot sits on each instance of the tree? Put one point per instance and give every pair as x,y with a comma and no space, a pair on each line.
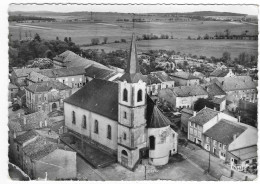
189,38
206,37
37,37
226,56
105,40
94,41
69,39
66,40
57,38
123,40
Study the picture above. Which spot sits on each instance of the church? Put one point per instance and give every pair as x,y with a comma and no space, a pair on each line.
119,117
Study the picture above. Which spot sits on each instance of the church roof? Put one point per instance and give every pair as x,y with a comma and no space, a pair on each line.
98,96
155,118
132,72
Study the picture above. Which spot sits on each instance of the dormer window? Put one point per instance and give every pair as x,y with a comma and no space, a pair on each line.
125,94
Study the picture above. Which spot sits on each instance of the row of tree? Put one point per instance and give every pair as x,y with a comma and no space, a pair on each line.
20,18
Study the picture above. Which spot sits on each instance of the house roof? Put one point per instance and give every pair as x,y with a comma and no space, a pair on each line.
32,122
26,136
70,59
245,153
155,118
63,72
23,72
46,86
185,91
39,148
12,86
37,77
99,96
235,83
224,131
183,75
214,90
203,116
99,73
157,77
20,93
219,73
218,100
187,111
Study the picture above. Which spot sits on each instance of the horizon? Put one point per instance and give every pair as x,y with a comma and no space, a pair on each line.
138,9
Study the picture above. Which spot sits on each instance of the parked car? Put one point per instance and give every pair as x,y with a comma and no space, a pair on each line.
16,107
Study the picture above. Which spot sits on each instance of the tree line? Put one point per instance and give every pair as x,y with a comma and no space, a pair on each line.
20,18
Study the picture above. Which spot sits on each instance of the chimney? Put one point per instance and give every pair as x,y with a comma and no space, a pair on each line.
238,118
234,136
14,135
24,120
214,108
194,113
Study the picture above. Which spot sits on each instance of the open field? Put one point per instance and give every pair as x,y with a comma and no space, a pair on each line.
195,47
82,33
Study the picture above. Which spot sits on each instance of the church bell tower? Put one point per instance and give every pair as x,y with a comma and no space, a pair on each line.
132,109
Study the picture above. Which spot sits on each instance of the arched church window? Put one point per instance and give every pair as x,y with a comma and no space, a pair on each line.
152,142
124,136
139,95
84,122
125,95
73,117
96,127
108,131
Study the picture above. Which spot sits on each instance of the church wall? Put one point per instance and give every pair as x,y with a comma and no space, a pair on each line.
103,123
140,85
121,115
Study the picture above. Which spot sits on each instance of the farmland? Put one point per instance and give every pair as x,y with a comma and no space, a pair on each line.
82,33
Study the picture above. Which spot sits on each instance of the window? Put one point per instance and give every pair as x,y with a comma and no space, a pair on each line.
109,132
207,139
17,148
84,122
224,146
124,136
125,116
195,125
220,145
214,142
195,132
96,127
152,142
125,95
139,95
199,134
73,117
191,130
247,162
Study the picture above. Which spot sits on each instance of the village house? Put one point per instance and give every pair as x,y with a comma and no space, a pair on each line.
47,95
96,72
18,76
182,96
120,118
73,77
69,59
239,87
35,77
220,72
185,115
185,79
158,80
21,98
12,91
40,158
221,134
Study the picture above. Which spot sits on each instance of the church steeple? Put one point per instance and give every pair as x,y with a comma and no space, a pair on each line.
132,72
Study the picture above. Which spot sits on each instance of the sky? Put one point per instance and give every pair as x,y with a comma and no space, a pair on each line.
244,9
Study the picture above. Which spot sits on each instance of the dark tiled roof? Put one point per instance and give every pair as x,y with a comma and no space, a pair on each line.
218,100
99,73
47,85
155,118
23,72
12,86
63,72
219,73
184,91
246,153
70,59
203,116
158,77
39,148
99,96
235,83
26,136
183,75
186,110
32,122
214,90
224,131
37,77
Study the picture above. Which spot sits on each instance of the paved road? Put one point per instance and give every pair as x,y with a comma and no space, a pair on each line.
86,171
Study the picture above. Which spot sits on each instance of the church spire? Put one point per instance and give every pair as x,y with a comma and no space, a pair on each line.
132,63
132,71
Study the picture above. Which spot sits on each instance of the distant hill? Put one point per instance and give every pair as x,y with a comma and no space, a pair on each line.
212,13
